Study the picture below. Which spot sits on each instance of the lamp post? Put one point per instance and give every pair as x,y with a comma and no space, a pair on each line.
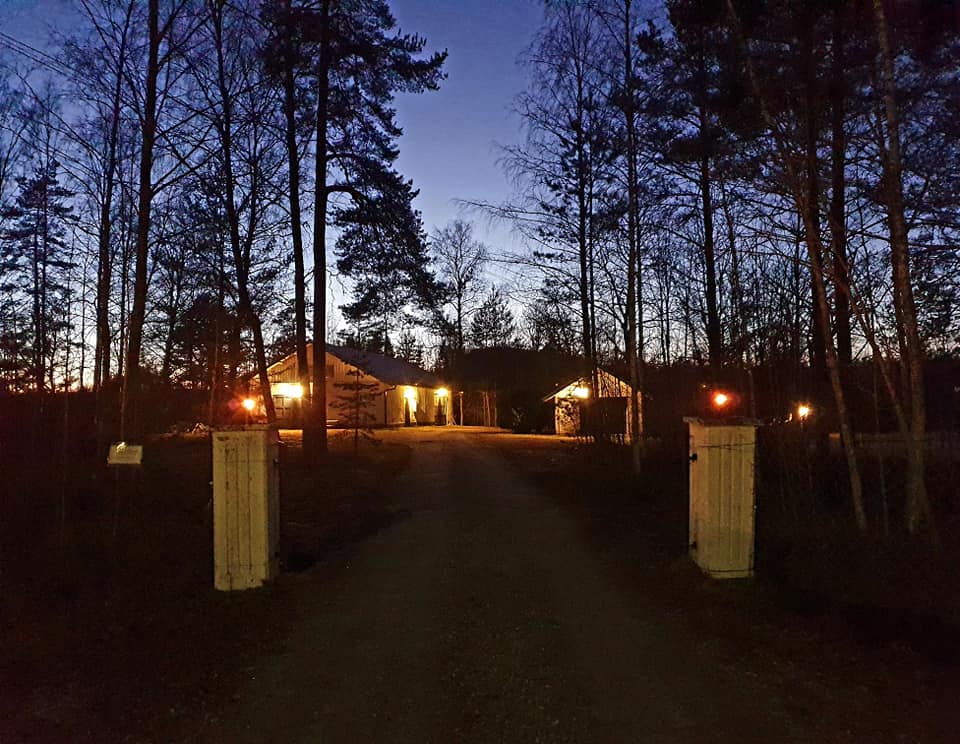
442,395
248,405
804,411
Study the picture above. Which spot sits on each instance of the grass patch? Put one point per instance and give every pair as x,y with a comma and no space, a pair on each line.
111,625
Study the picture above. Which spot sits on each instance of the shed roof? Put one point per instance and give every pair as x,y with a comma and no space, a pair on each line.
611,386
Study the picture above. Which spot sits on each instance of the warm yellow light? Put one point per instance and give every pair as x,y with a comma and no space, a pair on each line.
249,403
581,392
290,390
442,392
410,393
720,399
803,411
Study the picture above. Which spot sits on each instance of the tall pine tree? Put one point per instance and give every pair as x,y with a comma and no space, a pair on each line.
354,61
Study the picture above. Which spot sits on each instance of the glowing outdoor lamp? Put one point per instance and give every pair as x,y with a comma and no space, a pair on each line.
581,392
410,393
249,404
803,411
442,392
720,400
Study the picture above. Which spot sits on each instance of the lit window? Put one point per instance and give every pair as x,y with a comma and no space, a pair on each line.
290,390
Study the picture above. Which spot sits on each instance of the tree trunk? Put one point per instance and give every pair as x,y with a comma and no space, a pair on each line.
101,365
838,217
582,247
633,188
124,296
315,434
714,334
738,344
296,223
714,339
241,261
811,219
216,365
796,333
918,512
459,310
833,369
36,357
815,253
129,406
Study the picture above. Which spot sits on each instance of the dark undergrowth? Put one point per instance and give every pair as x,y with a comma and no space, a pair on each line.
857,613
810,561
110,628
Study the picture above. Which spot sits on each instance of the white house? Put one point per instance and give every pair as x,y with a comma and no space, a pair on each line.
395,392
575,404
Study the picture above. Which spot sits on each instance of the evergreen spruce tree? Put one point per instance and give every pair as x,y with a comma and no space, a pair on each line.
354,404
36,255
493,325
384,250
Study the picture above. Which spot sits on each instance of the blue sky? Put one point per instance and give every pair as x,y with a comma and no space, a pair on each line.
451,136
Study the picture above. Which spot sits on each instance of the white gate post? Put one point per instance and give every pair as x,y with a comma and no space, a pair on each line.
246,513
722,501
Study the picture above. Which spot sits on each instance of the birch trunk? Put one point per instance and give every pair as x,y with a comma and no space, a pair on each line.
918,513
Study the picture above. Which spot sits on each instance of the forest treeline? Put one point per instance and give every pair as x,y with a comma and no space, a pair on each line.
716,182
171,171
744,184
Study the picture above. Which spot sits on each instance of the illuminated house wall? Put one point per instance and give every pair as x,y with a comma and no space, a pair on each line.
399,392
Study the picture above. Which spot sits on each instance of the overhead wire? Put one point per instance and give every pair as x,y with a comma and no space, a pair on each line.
37,56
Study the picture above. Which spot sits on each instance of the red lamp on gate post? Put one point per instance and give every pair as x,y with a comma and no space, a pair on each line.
723,402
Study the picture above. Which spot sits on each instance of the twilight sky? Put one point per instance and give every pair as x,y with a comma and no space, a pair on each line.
450,139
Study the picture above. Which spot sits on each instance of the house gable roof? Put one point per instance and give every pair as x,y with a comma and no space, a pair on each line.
386,369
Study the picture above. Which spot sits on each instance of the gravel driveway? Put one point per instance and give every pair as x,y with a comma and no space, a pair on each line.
486,615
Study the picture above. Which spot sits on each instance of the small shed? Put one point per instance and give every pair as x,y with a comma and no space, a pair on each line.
390,391
578,411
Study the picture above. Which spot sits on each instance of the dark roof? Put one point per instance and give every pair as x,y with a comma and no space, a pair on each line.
384,368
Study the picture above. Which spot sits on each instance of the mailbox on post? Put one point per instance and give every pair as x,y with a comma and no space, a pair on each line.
122,454
721,538
246,513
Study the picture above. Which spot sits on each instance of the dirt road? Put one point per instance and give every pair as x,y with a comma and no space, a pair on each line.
485,615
